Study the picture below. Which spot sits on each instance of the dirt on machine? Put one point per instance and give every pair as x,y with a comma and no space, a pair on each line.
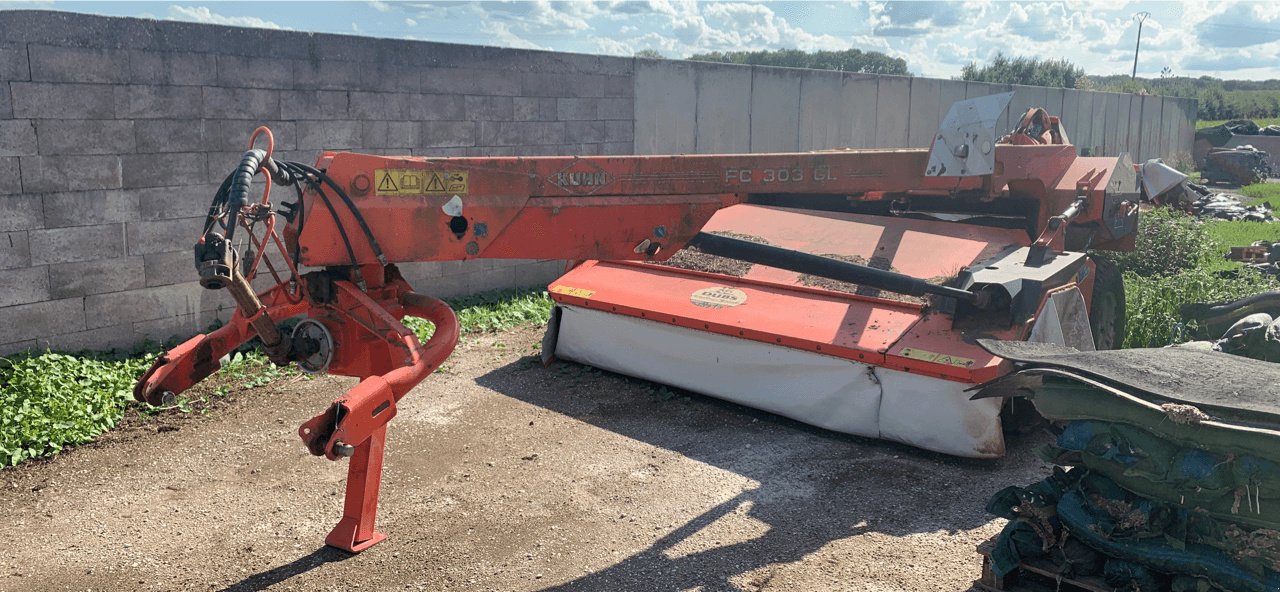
846,288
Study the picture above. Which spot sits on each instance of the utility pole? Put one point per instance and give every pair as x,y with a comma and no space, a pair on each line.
1141,16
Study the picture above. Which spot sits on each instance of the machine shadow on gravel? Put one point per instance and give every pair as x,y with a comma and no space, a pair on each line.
816,486
299,566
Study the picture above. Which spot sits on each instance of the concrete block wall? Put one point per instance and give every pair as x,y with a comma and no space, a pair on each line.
114,134
760,109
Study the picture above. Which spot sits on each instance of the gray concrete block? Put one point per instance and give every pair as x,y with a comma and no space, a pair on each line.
329,135
6,101
170,135
1135,127
378,105
329,74
538,84
158,102
953,91
75,64
39,319
167,203
162,170
147,304
1113,125
517,133
437,108
534,109
1069,116
255,72
615,108
176,329
922,124
619,131
17,137
181,68
313,104
821,123
617,148
664,122
68,280
24,286
577,109
1121,124
20,212
10,175
232,135
383,76
15,250
584,131
43,100
859,99
469,81
536,274
490,108
1098,124
775,109
14,64
83,136
163,236
45,174
86,208
439,134
891,127
115,338
389,134
241,103
79,243
173,267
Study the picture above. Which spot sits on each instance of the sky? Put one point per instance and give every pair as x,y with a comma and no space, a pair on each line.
1221,38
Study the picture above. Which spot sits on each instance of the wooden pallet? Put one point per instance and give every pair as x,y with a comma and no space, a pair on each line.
1033,576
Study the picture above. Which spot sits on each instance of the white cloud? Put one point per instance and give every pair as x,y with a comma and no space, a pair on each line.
499,34
410,22
380,6
202,14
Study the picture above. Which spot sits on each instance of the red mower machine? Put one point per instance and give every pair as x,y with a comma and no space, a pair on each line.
843,288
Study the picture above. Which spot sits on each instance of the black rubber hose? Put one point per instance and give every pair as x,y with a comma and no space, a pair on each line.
241,180
368,233
823,267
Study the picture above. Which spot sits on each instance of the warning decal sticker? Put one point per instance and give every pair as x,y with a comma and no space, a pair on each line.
718,297
398,182
936,358
566,290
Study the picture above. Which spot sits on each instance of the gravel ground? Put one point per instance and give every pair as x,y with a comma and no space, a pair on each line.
504,475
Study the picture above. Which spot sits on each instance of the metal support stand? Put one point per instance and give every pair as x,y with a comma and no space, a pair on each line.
355,533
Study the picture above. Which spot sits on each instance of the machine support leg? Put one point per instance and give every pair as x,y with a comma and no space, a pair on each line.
355,531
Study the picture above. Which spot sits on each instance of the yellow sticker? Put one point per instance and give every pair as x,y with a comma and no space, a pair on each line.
936,358
566,290
718,297
398,182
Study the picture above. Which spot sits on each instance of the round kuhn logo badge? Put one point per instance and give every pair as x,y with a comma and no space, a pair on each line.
718,297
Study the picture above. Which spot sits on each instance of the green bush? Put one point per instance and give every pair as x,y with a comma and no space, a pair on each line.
51,400
1168,242
1152,302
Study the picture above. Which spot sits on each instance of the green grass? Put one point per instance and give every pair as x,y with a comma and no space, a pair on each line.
50,401
1260,192
1263,122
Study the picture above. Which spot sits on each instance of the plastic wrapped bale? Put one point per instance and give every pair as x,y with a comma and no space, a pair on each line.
1241,166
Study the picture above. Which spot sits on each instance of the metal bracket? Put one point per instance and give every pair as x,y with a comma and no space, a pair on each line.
965,145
